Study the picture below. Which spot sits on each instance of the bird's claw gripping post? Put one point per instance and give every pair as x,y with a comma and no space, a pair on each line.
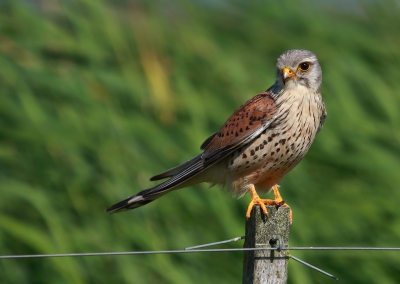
256,200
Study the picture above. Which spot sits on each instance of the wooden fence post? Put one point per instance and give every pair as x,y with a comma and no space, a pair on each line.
266,267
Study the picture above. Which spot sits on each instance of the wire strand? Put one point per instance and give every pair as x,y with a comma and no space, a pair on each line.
130,253
193,251
313,267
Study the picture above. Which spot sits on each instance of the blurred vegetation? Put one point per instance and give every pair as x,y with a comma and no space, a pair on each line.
97,96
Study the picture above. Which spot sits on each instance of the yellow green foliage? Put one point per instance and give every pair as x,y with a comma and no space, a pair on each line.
98,96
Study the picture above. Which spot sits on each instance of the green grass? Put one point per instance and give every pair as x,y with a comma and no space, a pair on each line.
97,96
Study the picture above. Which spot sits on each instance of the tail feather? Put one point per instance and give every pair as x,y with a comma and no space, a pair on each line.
173,171
180,176
132,202
191,169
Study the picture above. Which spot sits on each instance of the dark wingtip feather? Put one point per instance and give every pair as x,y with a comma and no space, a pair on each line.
208,140
157,177
119,207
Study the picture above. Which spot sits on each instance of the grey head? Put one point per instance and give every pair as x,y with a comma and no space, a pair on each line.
298,67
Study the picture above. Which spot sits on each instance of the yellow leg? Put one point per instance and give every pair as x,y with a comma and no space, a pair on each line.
280,202
256,200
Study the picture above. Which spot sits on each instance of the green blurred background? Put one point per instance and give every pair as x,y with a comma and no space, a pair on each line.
97,96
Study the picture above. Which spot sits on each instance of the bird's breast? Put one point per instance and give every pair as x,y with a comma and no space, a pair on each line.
265,160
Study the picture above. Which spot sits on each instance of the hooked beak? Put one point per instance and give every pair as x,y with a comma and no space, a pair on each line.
287,74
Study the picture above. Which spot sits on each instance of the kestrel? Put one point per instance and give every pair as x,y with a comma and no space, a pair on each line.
259,143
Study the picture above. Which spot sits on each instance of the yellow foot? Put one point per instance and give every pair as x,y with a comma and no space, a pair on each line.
256,200
279,202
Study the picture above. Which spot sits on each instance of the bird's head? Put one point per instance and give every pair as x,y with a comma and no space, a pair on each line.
298,67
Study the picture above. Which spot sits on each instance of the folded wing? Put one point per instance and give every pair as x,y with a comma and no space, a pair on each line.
244,125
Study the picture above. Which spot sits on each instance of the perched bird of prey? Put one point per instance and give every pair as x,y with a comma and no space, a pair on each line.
259,143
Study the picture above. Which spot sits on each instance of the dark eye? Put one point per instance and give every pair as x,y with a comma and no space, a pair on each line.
304,66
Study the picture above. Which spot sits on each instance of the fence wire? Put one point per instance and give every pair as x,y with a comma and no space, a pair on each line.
191,251
200,249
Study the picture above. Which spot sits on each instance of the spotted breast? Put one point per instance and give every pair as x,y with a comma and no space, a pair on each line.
279,149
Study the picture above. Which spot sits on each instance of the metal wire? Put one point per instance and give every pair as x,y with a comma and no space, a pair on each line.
340,248
192,251
216,243
313,267
272,242
130,253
